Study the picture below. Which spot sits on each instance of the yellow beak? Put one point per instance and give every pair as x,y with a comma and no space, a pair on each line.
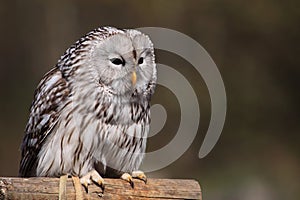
133,78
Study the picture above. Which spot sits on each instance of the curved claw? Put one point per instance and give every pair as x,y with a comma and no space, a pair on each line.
100,184
127,177
92,176
139,175
85,181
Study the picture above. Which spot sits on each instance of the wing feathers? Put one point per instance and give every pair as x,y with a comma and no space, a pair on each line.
50,97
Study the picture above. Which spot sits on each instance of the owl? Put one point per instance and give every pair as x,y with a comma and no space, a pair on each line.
91,113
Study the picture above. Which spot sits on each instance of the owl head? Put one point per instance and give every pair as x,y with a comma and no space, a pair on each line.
121,60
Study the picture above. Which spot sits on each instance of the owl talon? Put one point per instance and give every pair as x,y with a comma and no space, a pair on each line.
139,175
85,182
101,184
127,177
92,176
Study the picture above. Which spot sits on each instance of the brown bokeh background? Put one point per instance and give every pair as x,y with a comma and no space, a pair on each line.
255,45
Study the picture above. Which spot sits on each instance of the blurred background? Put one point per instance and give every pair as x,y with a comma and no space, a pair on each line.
254,44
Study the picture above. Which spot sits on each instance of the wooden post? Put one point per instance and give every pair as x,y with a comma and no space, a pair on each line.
47,188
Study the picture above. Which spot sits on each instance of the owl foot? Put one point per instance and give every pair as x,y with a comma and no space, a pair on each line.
135,174
139,175
92,176
127,177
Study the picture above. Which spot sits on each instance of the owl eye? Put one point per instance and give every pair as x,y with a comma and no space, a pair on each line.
141,60
117,61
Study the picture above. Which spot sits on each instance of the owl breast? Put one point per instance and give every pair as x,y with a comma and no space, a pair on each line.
110,136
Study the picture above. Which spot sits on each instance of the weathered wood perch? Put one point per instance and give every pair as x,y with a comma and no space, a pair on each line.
48,188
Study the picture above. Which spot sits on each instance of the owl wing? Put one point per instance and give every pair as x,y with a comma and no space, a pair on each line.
50,98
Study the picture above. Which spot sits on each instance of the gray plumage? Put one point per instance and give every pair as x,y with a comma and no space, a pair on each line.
87,112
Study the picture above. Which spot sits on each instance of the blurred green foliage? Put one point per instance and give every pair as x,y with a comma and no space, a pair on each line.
255,45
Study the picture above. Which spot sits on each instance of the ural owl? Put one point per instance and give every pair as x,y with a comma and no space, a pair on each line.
90,114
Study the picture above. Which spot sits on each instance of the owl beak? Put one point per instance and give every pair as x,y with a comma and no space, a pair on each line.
133,78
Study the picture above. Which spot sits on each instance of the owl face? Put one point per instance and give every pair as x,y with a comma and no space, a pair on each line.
124,62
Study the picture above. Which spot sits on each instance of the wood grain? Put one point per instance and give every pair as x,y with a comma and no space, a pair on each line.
47,188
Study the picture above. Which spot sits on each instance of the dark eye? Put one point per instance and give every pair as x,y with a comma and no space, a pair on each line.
117,61
141,60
